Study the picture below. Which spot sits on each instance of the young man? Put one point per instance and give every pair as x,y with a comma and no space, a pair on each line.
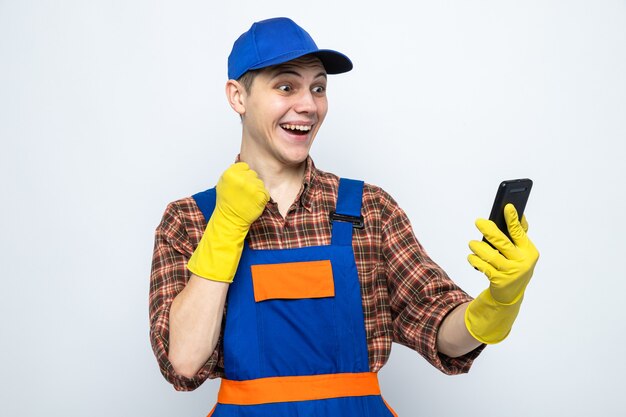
291,284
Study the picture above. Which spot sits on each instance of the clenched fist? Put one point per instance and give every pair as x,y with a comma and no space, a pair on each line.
241,198
241,195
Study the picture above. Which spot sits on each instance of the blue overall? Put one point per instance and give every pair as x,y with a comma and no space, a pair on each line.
299,337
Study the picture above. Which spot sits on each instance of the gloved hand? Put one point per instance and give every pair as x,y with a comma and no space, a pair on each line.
490,316
240,199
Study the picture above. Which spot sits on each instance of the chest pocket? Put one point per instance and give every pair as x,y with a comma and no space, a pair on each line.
295,305
293,280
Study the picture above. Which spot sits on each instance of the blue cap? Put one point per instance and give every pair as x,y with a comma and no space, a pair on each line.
274,41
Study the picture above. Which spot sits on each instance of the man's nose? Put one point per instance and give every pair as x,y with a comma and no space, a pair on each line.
305,103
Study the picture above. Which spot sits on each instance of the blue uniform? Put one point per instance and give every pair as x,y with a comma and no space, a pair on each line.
295,344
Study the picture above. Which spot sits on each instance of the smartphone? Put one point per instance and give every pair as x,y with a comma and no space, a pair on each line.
515,192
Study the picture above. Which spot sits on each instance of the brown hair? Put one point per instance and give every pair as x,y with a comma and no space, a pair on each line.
247,78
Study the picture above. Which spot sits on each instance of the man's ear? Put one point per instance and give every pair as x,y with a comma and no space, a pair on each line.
236,95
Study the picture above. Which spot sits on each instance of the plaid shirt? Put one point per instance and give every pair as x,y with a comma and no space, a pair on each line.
405,294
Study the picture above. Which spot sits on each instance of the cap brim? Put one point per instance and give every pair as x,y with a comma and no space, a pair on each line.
334,62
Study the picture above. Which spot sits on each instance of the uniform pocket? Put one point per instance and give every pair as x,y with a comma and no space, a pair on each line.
295,305
293,280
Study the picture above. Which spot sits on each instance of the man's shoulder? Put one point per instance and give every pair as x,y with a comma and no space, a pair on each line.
325,178
375,198
331,180
183,216
182,207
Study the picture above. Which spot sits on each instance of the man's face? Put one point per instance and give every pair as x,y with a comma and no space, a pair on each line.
284,109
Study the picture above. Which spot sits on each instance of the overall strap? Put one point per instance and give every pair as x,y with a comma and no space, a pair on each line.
347,214
206,202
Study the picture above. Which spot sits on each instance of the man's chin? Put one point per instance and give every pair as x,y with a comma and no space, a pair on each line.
298,161
294,160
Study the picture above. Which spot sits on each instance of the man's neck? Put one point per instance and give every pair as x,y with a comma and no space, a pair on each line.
282,181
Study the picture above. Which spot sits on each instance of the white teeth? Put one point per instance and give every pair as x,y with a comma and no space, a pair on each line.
301,128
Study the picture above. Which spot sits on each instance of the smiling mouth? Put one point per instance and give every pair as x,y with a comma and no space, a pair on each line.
297,129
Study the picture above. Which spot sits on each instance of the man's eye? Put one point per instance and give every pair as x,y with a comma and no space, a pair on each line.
319,89
285,88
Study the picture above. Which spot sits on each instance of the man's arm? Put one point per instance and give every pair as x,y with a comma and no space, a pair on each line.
509,269
453,338
195,324
196,314
422,296
169,277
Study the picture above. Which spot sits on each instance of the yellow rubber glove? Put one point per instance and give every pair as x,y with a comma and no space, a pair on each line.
490,316
241,198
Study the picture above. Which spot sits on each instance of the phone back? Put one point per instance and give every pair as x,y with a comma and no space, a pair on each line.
515,192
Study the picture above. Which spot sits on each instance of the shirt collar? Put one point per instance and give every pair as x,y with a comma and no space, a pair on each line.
307,192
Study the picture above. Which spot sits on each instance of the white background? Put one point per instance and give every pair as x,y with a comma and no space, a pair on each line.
111,109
